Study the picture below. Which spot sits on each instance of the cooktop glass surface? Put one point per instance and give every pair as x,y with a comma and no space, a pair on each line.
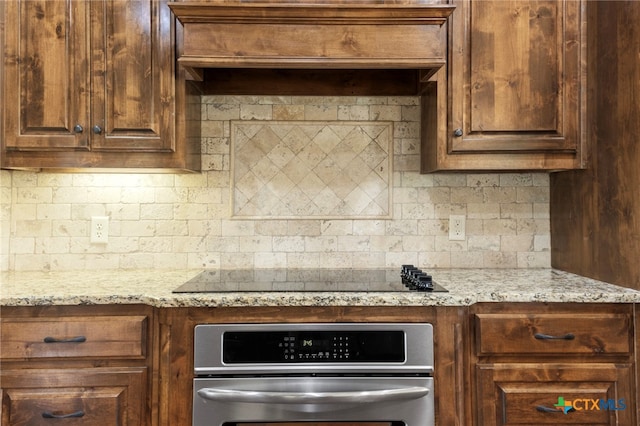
299,280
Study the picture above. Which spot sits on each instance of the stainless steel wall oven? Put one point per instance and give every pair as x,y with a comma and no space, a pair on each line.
373,374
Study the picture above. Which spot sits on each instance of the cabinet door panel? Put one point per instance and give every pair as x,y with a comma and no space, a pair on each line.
517,76
536,394
538,403
514,66
92,397
132,77
74,405
46,75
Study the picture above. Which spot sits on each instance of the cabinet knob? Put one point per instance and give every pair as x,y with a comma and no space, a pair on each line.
97,129
457,133
78,128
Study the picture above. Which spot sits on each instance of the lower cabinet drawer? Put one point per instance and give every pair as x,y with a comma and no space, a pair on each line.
74,337
534,394
88,397
553,334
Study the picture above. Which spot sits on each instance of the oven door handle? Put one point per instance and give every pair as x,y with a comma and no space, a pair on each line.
270,397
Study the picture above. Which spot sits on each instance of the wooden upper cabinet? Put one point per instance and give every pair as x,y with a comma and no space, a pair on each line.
92,84
46,82
132,78
515,88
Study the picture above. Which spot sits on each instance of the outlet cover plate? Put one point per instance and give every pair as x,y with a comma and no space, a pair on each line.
457,225
99,229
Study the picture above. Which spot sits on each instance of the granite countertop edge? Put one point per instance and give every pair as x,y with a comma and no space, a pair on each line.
154,287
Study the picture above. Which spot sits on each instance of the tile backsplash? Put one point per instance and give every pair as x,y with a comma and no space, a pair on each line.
188,220
311,169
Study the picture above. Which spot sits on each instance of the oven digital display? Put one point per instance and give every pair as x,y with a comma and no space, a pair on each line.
242,347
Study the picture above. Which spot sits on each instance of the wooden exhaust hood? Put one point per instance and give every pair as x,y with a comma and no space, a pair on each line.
326,36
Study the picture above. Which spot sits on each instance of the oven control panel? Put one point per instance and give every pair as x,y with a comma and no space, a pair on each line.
300,346
312,348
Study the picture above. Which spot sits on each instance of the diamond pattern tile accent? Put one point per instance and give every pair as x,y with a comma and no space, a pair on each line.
311,169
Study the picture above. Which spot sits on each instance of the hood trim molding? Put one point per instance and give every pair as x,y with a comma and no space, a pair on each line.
310,13
311,36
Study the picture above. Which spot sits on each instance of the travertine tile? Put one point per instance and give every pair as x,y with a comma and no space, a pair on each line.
484,243
69,228
70,194
303,260
465,194
542,243
297,169
516,243
321,112
172,228
220,111
336,227
288,112
534,259
516,211
157,211
490,180
353,112
32,228
34,195
53,211
186,220
22,245
288,244
498,259
270,260
255,112
483,211
500,195
392,113
532,194
367,259
434,259
466,259
353,243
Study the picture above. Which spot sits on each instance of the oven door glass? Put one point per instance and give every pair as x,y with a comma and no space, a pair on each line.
313,400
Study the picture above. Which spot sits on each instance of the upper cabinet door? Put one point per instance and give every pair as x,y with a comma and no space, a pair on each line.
92,85
132,76
514,94
46,78
516,76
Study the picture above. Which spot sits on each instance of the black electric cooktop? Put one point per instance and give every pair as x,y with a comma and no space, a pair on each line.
305,280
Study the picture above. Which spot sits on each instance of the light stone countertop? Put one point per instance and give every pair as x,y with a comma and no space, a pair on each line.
154,287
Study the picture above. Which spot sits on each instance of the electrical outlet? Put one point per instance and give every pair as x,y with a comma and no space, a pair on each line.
99,229
457,224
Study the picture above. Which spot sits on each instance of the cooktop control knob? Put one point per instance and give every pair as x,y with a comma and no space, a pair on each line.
424,282
405,273
415,279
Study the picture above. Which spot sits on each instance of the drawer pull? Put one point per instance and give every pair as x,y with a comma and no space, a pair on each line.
49,415
77,339
541,336
544,409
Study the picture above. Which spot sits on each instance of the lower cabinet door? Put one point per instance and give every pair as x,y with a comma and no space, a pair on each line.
88,397
554,394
